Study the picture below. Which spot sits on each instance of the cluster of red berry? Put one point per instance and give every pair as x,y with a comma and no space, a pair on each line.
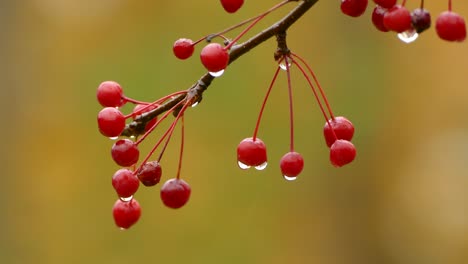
390,16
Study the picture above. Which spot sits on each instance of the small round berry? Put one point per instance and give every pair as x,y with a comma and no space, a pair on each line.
137,111
451,26
397,19
251,152
342,152
420,19
353,8
386,3
291,164
377,18
126,214
214,57
125,152
231,6
183,48
109,94
342,127
111,122
175,193
125,183
150,173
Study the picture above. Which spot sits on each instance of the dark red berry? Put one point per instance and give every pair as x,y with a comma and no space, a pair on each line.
126,214
111,122
125,152
451,26
214,57
232,6
353,8
125,183
397,19
291,164
175,193
183,48
377,18
386,3
137,111
251,153
342,127
342,152
420,19
109,94
150,173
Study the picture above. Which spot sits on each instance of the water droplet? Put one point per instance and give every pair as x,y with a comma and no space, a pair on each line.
126,199
217,74
195,104
122,229
408,36
132,137
283,64
289,178
243,166
261,166
113,138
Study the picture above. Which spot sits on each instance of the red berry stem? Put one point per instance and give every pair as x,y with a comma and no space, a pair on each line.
422,4
182,131
403,3
291,114
450,5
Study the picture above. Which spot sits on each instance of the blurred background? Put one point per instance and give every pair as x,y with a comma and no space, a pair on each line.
403,200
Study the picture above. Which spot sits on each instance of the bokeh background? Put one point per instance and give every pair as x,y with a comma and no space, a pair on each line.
403,200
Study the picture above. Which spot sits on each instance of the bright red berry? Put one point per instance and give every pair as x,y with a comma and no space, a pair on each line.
397,19
126,213
451,26
214,57
232,6
420,19
342,152
150,173
125,152
111,122
109,94
175,193
353,8
342,127
386,3
251,153
137,111
183,48
377,18
291,165
125,183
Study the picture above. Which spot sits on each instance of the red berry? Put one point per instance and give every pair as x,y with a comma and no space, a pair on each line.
125,183
214,57
175,193
150,173
420,19
126,213
183,48
251,153
109,94
353,8
232,6
342,127
377,18
342,152
111,122
137,111
386,3
291,165
451,26
397,19
125,152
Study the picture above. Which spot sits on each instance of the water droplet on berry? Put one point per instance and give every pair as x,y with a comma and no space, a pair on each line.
122,229
126,199
282,65
289,178
408,36
113,138
261,166
243,166
217,74
194,104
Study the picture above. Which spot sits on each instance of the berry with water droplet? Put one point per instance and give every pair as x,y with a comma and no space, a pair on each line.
386,3
342,127
110,94
125,152
291,164
125,183
353,8
111,122
214,57
397,19
342,152
251,152
150,173
175,193
377,18
420,19
126,214
451,26
183,48
231,6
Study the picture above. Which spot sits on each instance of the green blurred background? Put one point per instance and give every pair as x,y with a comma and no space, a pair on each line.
403,200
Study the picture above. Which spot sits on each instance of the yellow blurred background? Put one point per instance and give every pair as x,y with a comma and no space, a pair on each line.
403,200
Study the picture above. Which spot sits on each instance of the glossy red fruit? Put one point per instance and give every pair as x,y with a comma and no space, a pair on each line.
451,26
353,8
232,6
385,3
377,18
125,183
397,19
342,152
214,57
111,122
137,112
291,164
126,214
110,94
125,152
342,127
420,19
183,48
175,193
150,173
251,153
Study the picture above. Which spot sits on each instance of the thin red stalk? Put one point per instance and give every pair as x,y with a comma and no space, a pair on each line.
422,4
171,129
133,101
291,115
148,105
403,3
181,147
450,5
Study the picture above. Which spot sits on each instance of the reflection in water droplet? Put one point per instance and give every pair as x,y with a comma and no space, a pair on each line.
289,178
113,138
408,36
283,64
217,74
242,165
261,166
123,229
132,137
126,199
195,104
